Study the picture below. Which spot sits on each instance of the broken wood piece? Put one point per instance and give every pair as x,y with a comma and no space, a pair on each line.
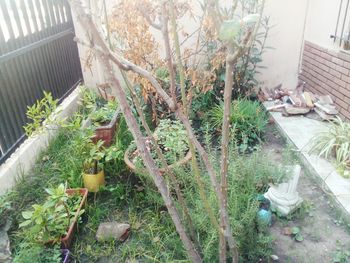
275,107
267,93
324,116
325,99
291,110
308,99
297,100
327,108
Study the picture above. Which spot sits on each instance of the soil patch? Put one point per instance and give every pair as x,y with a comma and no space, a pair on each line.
326,236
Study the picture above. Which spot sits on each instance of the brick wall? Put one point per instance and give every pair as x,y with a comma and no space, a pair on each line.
327,72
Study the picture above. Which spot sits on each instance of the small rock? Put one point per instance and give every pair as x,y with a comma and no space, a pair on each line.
112,230
274,257
287,231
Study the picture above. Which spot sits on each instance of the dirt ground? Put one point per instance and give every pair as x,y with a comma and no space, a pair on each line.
326,236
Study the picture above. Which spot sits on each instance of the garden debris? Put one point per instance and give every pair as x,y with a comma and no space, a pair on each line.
274,257
298,102
5,252
291,110
112,230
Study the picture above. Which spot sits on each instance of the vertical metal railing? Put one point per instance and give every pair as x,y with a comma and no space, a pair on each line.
342,28
37,53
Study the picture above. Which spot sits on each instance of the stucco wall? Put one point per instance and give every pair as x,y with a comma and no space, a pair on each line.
321,22
286,37
292,21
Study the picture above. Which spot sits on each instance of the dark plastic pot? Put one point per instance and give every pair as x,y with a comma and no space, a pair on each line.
65,255
67,240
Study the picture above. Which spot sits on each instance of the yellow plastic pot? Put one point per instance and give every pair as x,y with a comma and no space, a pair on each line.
93,182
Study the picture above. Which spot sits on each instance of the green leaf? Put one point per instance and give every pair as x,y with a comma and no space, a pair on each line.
295,230
229,30
299,237
251,19
25,223
27,214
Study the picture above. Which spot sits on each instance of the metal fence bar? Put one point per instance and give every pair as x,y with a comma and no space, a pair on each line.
37,53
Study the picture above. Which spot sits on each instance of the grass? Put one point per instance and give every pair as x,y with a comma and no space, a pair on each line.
135,200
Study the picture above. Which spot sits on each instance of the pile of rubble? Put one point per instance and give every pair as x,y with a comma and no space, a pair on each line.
298,101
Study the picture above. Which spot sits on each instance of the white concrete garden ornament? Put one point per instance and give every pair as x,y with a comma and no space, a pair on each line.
284,197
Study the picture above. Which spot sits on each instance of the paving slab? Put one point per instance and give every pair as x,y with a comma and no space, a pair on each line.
300,130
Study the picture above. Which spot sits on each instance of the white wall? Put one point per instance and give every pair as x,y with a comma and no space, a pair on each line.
286,36
321,22
292,20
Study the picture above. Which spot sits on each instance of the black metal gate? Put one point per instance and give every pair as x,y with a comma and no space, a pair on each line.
37,53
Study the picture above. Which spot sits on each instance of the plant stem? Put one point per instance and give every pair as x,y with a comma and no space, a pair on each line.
160,155
178,55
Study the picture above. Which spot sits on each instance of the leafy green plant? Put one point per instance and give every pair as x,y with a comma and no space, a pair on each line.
104,114
248,120
5,208
171,138
39,113
334,142
37,253
49,221
296,234
342,255
96,152
88,99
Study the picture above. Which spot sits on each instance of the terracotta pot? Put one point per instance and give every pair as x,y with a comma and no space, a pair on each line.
132,166
106,132
93,182
67,240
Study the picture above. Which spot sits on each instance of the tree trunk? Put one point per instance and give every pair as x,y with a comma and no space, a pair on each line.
153,170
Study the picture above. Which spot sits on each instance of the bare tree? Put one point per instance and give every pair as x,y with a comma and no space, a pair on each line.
109,59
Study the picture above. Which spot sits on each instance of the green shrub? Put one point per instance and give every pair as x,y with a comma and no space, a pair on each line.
334,142
40,112
38,254
50,220
248,120
249,175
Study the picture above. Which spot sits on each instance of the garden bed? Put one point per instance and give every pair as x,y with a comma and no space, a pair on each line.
325,231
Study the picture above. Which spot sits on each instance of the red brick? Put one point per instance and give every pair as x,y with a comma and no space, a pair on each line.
336,93
341,103
344,56
330,64
345,113
344,91
346,65
326,56
315,52
335,73
339,82
342,70
345,78
316,46
337,61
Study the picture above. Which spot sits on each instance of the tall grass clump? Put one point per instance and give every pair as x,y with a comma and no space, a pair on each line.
249,176
248,120
334,143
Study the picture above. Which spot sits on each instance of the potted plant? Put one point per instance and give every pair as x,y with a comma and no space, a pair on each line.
105,120
172,140
93,173
56,219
